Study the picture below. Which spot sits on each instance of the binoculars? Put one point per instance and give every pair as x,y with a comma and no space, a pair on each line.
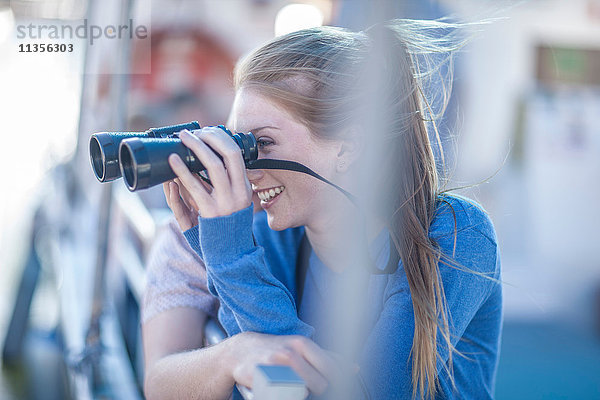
142,157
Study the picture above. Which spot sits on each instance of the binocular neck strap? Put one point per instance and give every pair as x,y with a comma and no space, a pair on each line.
267,163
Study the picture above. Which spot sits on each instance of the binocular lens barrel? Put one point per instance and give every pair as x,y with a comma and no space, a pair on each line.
104,153
104,148
144,162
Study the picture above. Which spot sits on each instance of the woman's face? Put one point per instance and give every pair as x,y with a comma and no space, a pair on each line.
299,199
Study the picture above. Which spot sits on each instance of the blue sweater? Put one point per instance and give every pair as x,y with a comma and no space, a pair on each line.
256,287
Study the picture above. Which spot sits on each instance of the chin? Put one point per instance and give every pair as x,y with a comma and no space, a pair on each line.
277,223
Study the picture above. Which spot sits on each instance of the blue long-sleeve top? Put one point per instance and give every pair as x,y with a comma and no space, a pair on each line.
255,283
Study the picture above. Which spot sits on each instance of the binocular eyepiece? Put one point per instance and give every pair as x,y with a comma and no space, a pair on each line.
142,157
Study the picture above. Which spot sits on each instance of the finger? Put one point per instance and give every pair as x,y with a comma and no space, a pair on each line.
224,145
205,183
315,382
175,208
189,180
319,358
179,209
214,166
244,376
177,199
186,196
190,213
167,192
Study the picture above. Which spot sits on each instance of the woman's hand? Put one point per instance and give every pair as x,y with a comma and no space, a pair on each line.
316,366
181,203
230,191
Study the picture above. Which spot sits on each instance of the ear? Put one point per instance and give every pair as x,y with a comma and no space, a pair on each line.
349,151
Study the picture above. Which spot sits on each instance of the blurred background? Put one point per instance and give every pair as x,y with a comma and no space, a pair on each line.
524,119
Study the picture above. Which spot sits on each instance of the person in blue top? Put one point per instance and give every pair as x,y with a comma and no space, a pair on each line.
401,296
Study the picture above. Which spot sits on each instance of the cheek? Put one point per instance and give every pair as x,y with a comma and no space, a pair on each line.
301,198
294,209
302,187
305,197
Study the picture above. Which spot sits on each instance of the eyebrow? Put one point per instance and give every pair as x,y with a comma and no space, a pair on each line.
256,130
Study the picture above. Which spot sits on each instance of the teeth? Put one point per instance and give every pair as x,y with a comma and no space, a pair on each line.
267,195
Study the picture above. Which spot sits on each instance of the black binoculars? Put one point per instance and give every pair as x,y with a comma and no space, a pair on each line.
142,157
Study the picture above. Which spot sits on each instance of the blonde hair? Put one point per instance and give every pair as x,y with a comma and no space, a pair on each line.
317,76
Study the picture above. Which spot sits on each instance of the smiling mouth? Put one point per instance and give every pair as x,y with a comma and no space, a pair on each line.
269,194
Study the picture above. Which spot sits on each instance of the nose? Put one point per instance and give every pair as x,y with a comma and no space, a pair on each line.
255,175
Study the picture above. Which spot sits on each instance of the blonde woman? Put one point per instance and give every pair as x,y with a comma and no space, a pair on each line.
400,297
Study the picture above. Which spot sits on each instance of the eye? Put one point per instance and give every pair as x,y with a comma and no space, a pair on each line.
261,143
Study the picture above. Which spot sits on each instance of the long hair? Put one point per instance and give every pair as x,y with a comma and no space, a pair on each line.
330,78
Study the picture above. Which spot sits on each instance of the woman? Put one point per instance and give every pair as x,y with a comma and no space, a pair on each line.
351,107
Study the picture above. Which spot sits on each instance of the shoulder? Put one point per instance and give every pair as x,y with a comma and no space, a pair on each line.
170,250
465,234
456,214
469,259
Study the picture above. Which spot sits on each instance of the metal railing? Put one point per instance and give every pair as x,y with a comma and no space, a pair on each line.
99,296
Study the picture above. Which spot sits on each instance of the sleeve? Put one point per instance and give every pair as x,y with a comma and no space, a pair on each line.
252,299
386,365
176,277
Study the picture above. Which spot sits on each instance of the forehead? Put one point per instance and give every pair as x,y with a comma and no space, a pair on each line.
252,110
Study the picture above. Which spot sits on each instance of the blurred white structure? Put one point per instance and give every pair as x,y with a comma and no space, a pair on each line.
543,201
294,17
